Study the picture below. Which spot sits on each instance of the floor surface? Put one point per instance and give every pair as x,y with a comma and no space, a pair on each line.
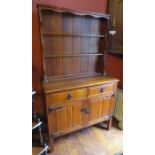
90,141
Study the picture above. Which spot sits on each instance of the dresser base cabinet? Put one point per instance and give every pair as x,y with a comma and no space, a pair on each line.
79,103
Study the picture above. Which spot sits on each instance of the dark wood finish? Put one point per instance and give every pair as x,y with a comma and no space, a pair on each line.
66,34
109,123
77,92
116,23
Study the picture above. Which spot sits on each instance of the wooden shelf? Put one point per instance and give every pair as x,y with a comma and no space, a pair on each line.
74,35
72,55
73,76
72,45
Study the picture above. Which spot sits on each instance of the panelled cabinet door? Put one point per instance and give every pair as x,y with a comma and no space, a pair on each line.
65,117
108,105
57,119
100,107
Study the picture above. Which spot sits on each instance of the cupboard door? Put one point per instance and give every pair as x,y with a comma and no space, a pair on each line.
108,105
67,116
57,118
101,106
105,106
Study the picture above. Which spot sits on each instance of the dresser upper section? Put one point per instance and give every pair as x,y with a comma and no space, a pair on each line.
73,42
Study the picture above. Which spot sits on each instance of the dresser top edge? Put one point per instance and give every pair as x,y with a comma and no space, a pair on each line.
56,86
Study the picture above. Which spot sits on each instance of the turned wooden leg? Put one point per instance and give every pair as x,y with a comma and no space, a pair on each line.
106,124
51,145
109,123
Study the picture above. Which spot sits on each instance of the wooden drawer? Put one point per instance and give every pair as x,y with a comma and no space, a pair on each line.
67,96
100,89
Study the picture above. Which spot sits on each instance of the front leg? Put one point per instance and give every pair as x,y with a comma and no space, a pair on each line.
109,123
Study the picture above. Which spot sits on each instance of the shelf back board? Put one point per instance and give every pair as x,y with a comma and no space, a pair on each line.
73,42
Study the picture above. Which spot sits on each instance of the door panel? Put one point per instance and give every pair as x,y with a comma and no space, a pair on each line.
105,108
100,107
69,117
61,117
77,115
112,105
94,109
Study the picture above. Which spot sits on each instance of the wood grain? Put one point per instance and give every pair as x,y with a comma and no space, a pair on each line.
77,83
61,117
65,33
72,42
62,96
90,141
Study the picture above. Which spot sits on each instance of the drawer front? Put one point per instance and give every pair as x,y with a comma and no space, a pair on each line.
67,96
100,89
